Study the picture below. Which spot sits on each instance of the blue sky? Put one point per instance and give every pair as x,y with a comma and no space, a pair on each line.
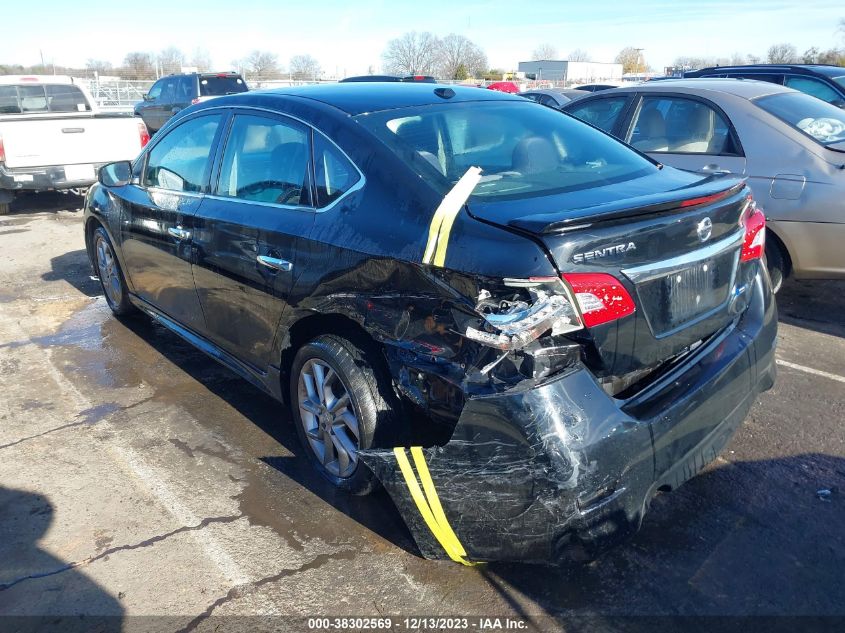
348,37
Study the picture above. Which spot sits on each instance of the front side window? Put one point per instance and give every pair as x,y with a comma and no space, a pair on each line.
522,150
815,88
180,160
603,113
821,121
66,98
680,126
266,160
334,174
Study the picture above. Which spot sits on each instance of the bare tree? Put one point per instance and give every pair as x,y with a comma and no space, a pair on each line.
457,53
171,60
738,59
261,65
631,59
544,51
304,67
782,54
201,60
411,54
98,65
811,55
580,55
138,65
754,59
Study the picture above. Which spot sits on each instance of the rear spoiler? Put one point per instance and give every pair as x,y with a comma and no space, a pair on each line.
707,192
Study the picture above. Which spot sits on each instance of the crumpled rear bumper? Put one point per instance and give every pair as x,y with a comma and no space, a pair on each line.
562,469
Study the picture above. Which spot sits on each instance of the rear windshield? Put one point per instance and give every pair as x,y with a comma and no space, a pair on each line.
41,98
218,86
821,121
524,149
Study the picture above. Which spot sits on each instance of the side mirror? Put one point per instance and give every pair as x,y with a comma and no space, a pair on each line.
147,97
115,174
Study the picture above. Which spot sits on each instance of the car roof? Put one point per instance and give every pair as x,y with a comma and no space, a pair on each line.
823,69
745,88
359,97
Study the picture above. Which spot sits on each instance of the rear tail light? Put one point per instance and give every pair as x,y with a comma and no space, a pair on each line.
754,243
2,150
601,297
195,101
143,133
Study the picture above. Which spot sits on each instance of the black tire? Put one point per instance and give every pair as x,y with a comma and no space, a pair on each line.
776,264
110,274
355,371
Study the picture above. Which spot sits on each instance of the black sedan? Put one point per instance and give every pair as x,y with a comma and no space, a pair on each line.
519,326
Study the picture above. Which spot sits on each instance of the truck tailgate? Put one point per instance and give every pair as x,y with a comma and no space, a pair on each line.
38,141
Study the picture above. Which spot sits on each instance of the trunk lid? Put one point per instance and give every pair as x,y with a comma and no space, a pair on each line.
672,239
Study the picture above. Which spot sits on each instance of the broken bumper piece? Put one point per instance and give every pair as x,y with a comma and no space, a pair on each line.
561,470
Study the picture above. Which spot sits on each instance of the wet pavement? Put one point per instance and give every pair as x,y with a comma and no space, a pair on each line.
139,478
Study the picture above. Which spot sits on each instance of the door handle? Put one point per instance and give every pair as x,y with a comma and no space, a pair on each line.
179,233
274,263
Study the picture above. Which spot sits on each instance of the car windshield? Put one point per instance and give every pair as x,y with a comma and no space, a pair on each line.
219,86
818,119
523,149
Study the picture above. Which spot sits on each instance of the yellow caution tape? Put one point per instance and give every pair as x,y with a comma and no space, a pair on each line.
428,503
444,217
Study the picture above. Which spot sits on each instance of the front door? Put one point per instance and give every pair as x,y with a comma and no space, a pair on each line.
248,233
158,227
687,133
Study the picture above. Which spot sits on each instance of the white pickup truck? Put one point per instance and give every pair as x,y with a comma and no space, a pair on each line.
52,136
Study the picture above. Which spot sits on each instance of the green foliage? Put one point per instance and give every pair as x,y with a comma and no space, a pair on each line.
461,73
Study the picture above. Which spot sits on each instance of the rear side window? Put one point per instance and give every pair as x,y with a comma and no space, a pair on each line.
821,121
680,126
180,160
66,98
9,100
335,175
603,113
266,160
815,88
218,86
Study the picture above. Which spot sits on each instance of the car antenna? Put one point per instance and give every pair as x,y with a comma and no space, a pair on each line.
444,93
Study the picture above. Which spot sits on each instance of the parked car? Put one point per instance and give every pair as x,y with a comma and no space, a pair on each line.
427,79
790,147
53,136
553,98
825,82
174,93
596,87
555,325
504,86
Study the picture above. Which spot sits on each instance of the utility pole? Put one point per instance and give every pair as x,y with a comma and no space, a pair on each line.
639,57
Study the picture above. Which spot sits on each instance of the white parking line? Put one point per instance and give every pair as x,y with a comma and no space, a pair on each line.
810,370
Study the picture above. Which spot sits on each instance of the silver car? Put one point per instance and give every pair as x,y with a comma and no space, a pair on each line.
789,145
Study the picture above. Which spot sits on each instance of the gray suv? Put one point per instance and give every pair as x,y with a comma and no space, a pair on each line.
173,93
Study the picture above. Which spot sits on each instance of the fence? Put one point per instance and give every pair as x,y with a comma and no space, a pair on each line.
116,95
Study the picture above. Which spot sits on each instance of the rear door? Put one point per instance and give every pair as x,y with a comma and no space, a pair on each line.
249,231
686,132
158,228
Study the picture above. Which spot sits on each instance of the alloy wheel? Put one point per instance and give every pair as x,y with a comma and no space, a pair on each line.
328,418
109,275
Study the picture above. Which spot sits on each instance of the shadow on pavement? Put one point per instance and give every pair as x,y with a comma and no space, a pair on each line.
813,305
38,590
74,268
46,202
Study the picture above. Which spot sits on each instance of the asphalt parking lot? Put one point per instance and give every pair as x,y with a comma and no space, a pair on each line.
139,478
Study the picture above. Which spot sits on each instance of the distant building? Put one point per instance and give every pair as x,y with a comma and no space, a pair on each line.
571,72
